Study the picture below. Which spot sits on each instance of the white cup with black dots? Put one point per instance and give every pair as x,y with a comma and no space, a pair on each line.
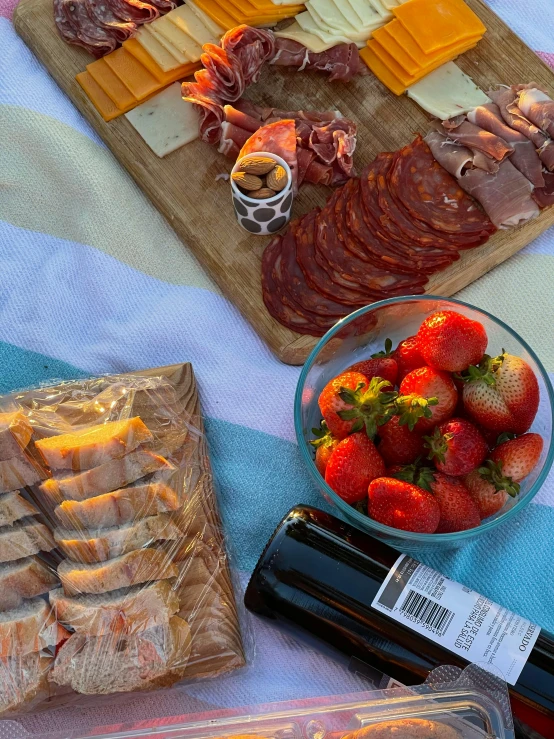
263,216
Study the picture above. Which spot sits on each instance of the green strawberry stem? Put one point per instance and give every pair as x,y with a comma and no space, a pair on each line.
437,445
423,477
492,472
485,370
322,436
410,408
371,408
386,353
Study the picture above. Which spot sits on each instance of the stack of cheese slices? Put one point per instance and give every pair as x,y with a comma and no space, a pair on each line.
231,13
423,35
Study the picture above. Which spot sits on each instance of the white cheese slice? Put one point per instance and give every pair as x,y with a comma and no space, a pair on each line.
178,39
166,122
365,12
344,7
385,14
173,50
158,52
447,92
185,19
309,40
390,4
330,15
308,24
210,24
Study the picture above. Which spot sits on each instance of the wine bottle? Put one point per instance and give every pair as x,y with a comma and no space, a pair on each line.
374,604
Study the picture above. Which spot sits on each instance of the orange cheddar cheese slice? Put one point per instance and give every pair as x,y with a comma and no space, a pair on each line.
268,7
164,78
114,88
398,33
437,23
408,64
103,104
381,71
130,71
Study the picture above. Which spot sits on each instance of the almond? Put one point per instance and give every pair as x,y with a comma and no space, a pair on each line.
247,181
257,165
262,193
277,179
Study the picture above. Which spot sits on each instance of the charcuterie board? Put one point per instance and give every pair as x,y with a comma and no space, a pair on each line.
184,186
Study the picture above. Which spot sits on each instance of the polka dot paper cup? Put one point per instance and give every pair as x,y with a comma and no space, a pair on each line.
263,217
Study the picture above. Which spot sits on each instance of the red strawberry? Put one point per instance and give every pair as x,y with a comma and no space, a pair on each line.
403,506
458,511
488,499
502,394
518,457
325,444
408,357
350,402
456,447
352,466
426,397
398,444
383,367
449,341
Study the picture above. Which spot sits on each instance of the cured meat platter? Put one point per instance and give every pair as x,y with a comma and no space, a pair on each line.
186,188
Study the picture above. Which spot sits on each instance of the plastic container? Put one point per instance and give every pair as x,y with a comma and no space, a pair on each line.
463,705
363,333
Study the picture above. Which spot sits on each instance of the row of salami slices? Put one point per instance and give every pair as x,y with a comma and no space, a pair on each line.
378,236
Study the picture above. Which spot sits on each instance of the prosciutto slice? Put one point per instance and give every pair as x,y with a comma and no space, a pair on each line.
544,196
335,141
342,62
243,120
506,99
252,47
524,156
452,156
546,154
477,139
538,108
504,195
233,138
276,138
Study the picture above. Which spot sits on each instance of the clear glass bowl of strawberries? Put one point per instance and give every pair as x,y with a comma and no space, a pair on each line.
425,421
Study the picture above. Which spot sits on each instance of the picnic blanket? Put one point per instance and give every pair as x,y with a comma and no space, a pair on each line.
94,280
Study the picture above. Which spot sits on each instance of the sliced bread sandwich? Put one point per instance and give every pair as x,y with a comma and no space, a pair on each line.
104,544
115,663
24,578
109,476
143,565
94,445
13,507
140,500
128,610
15,434
24,538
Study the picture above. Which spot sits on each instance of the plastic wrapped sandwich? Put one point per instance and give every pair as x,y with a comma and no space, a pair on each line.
113,571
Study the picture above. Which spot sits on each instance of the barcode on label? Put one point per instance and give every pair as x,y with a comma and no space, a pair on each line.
427,612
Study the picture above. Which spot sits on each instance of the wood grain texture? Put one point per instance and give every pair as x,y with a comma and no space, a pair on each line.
183,186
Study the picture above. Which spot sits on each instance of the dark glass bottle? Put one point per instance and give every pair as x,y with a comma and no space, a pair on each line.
322,574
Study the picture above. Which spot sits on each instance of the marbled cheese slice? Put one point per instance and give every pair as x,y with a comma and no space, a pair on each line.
308,24
365,12
309,40
447,92
330,15
165,122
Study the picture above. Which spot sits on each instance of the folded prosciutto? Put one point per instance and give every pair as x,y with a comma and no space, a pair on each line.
505,195
524,156
488,149
341,62
452,156
538,108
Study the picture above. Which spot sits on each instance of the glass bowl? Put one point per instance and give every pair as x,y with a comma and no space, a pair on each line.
363,333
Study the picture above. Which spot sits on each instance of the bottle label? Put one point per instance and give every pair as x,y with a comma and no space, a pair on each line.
457,618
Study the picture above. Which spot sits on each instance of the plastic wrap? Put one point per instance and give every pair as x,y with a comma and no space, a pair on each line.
114,576
451,704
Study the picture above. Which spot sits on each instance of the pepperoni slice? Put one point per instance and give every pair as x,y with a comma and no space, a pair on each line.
276,138
430,194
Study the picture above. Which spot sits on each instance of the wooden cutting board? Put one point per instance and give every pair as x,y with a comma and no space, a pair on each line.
183,185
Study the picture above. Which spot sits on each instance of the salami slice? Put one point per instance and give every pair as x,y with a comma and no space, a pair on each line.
134,11
210,110
103,16
430,194
164,6
276,138
98,41
252,47
224,71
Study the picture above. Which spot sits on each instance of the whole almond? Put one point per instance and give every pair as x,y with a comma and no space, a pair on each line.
262,193
247,181
257,165
277,179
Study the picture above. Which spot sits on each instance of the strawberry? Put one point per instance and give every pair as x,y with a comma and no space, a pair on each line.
457,447
518,457
402,505
352,466
325,444
501,393
449,341
398,444
488,499
426,397
351,401
458,510
408,357
383,367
